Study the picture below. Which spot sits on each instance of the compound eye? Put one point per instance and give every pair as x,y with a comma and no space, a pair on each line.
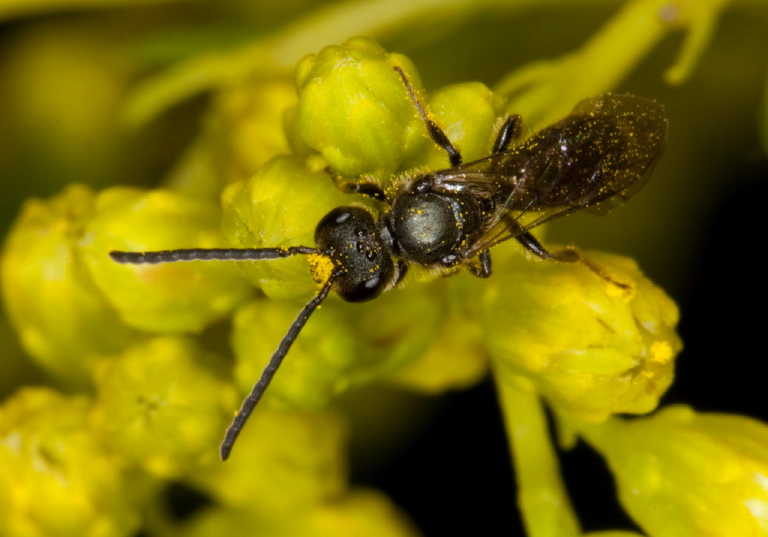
362,291
349,235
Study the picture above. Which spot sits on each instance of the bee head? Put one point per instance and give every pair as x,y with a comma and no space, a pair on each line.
348,235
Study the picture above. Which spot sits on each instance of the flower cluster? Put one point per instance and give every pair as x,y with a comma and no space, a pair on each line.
150,361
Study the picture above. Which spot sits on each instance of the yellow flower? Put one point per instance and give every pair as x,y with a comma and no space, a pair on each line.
680,472
353,109
64,323
178,297
163,405
589,347
279,205
152,407
55,478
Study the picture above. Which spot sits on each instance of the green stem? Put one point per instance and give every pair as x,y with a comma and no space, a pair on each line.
543,501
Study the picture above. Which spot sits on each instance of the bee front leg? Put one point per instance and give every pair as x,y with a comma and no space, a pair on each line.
510,130
566,255
433,129
370,189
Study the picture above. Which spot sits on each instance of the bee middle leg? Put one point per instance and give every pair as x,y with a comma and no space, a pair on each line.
483,268
566,255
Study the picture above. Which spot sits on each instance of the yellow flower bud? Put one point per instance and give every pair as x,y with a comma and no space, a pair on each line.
302,486
62,320
613,533
361,512
162,405
589,347
684,473
353,107
55,478
169,297
455,359
243,128
346,345
280,205
298,459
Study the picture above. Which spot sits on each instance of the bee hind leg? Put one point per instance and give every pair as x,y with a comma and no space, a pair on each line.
567,255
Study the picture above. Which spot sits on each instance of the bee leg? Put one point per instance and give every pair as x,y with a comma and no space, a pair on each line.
483,269
567,255
402,270
366,189
510,130
372,190
434,130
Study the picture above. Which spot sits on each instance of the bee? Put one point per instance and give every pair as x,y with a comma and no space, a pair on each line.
449,219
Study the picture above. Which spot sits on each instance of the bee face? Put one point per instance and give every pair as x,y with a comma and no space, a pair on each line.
366,266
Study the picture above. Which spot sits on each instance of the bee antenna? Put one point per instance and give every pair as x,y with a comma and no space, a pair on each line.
210,254
243,254
269,371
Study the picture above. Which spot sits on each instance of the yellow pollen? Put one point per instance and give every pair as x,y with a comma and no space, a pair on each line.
321,267
661,352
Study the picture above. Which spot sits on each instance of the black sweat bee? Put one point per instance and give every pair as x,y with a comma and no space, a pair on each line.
448,219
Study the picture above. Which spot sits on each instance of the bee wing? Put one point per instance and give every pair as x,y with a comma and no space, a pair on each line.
594,159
